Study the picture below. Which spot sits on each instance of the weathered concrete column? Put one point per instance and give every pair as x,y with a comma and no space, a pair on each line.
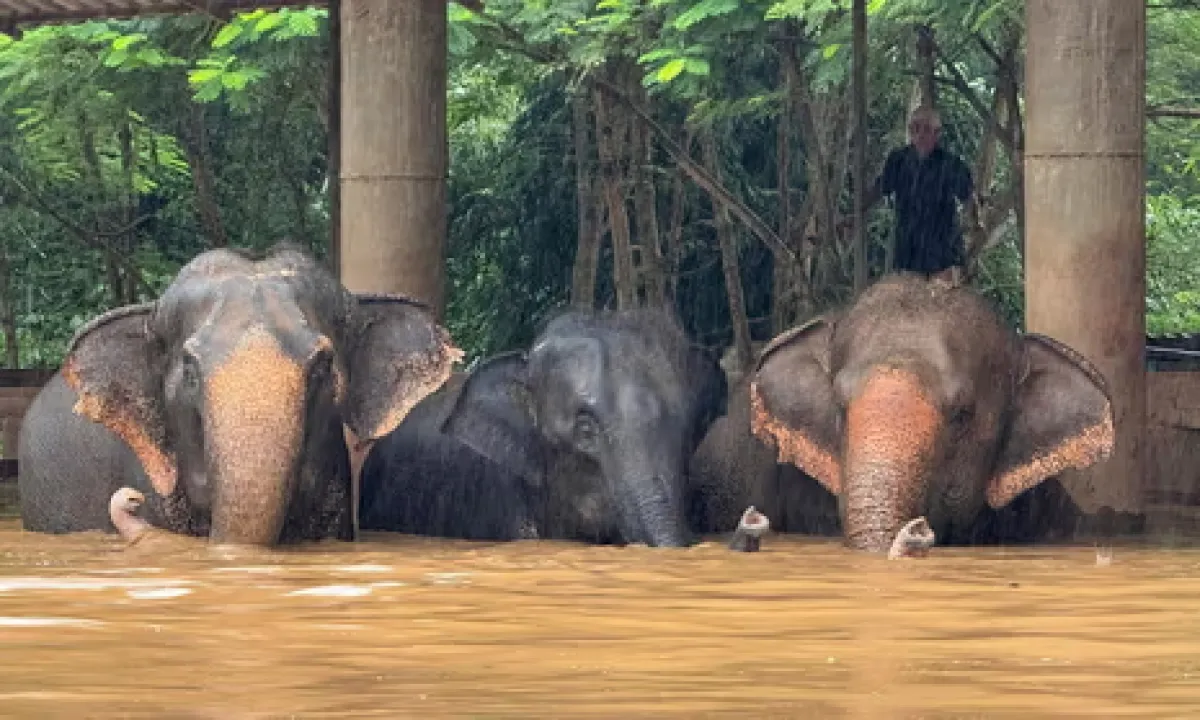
393,147
1085,249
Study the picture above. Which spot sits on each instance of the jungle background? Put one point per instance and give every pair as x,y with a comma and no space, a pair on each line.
693,153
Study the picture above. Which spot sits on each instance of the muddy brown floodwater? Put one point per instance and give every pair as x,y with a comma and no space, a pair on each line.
410,627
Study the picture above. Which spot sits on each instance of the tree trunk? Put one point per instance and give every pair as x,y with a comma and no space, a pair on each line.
925,88
587,243
196,146
1016,124
646,213
674,250
125,243
783,276
727,240
610,134
8,313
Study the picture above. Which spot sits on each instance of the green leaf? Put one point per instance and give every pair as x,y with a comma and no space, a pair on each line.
152,57
704,10
124,42
269,22
697,66
654,55
302,24
203,75
829,51
227,34
671,70
116,58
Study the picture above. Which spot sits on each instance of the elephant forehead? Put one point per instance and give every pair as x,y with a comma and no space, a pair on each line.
940,362
235,317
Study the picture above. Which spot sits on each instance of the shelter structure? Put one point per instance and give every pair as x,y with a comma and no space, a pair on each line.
388,148
1085,257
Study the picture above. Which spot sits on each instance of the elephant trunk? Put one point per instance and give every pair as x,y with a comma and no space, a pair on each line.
648,498
891,432
254,427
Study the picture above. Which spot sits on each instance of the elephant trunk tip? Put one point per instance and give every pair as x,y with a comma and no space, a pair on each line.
122,510
913,540
751,527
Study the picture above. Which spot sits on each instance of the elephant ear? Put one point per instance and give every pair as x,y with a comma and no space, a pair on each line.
397,355
792,405
1061,419
494,415
111,366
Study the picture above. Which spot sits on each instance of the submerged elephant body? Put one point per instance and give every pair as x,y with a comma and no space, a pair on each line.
586,436
919,401
231,392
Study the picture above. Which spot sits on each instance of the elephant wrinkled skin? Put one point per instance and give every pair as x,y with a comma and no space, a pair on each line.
586,436
918,400
224,402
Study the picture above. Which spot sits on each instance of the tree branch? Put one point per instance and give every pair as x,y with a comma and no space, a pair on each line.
701,177
1170,111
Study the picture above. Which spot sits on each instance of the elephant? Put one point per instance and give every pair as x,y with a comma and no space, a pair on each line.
585,437
918,400
227,402
732,469
423,481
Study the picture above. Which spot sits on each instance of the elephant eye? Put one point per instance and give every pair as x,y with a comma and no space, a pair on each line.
962,416
586,430
190,373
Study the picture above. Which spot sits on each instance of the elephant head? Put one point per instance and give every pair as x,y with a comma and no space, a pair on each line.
233,387
919,400
599,416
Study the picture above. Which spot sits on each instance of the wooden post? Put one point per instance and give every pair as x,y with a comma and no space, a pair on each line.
393,152
860,143
1085,253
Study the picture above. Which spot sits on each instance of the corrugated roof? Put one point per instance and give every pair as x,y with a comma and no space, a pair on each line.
17,13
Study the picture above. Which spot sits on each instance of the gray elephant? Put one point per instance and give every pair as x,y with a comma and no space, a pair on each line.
732,469
586,436
227,402
918,400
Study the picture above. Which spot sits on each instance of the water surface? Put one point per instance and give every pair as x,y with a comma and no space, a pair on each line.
410,627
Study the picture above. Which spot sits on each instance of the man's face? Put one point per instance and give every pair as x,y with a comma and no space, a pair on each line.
924,135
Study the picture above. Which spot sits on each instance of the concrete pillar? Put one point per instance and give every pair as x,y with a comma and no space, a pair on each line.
393,147
1085,249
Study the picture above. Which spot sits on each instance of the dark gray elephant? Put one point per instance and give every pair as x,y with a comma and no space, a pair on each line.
586,436
732,469
919,400
226,402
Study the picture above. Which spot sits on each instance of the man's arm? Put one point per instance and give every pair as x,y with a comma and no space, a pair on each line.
883,185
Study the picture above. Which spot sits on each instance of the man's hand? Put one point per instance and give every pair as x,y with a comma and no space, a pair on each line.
955,275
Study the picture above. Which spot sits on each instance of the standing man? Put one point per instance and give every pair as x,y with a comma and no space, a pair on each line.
925,180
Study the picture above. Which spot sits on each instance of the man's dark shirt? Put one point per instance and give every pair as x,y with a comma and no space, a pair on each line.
928,239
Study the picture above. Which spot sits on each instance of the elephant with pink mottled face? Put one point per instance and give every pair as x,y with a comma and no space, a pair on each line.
919,401
227,402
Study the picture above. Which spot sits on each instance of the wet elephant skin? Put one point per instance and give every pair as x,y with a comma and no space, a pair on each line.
919,400
226,402
584,436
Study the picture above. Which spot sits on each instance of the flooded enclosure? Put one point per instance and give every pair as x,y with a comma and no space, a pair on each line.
410,346
407,627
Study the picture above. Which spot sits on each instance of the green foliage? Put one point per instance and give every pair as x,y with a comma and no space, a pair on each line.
255,85
1172,266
